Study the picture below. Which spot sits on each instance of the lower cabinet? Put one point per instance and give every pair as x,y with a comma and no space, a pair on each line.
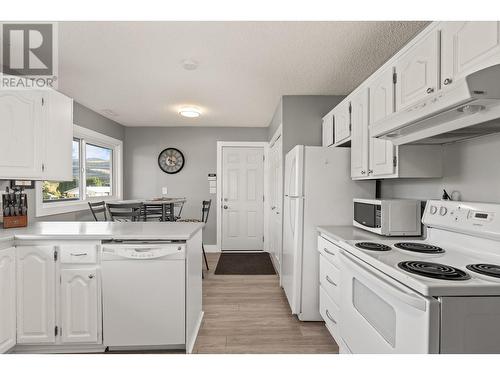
79,305
57,302
7,299
36,313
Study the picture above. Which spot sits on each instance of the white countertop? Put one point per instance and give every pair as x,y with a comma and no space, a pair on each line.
75,230
352,233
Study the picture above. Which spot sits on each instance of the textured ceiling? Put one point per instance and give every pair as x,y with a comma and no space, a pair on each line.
135,69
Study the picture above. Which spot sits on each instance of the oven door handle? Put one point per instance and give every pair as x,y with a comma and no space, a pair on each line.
401,294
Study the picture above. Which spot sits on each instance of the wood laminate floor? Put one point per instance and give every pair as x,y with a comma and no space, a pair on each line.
250,314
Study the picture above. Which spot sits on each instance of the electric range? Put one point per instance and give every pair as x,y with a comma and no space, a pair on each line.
437,295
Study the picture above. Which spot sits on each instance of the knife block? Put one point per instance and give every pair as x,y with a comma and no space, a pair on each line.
11,220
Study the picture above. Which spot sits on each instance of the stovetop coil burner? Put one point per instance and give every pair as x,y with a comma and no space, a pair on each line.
434,270
492,270
373,246
419,247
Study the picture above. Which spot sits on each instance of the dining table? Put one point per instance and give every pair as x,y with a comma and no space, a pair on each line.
164,202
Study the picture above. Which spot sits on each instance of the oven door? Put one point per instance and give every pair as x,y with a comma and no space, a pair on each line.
381,315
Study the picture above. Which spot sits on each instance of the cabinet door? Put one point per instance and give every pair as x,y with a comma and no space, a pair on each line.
359,138
35,294
79,305
7,299
382,155
342,122
417,71
58,137
382,96
467,47
328,130
20,146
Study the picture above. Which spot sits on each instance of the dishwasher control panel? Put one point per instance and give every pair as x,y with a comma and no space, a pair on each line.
143,251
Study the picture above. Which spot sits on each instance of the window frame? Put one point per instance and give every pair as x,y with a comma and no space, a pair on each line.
65,206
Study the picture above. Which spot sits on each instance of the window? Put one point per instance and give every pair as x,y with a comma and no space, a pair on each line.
96,175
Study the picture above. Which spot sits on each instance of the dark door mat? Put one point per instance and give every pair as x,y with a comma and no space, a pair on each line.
245,264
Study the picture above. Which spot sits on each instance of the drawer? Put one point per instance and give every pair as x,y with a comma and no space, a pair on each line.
78,253
328,310
329,250
329,278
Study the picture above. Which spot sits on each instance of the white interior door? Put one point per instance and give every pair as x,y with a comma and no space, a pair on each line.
276,200
242,198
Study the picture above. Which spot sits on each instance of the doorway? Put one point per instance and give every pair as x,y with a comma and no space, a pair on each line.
240,196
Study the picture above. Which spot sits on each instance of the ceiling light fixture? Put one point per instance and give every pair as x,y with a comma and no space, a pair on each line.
190,64
190,112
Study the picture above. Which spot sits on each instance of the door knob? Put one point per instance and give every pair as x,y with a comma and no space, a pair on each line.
273,207
91,276
447,81
430,90
363,172
225,207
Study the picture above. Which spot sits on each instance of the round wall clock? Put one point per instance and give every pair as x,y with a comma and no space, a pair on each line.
171,160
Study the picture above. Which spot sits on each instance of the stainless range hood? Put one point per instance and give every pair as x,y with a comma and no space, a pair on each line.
470,108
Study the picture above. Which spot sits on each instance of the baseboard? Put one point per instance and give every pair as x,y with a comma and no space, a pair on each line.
211,249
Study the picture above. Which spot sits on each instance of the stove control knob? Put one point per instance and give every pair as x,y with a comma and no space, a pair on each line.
433,210
443,211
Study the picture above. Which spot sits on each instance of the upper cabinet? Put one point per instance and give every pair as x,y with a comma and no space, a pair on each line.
359,138
327,130
467,47
342,122
21,133
417,71
36,135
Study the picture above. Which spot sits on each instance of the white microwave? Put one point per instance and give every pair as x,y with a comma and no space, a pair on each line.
388,217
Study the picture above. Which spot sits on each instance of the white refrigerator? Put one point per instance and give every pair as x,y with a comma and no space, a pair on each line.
318,191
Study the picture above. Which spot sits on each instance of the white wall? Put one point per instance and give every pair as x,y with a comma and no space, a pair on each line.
471,167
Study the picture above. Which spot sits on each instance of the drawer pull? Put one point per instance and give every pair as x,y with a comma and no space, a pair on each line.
330,280
330,317
78,254
328,251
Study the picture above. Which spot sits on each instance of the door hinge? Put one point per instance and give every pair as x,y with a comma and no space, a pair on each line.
263,157
394,77
350,108
43,101
395,161
56,331
55,255
263,199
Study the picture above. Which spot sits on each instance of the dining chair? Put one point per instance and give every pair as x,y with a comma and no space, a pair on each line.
97,208
152,212
125,211
205,210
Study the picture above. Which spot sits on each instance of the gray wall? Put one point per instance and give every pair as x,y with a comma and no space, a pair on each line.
302,117
86,118
470,167
143,177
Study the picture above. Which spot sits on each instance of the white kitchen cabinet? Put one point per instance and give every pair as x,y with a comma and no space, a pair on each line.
382,104
328,130
418,71
468,46
57,137
35,294
79,305
20,134
7,299
342,122
35,135
359,137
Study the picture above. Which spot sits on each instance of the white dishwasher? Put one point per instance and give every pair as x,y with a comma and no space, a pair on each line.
143,294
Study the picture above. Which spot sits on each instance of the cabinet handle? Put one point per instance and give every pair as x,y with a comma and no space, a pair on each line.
363,172
328,251
78,254
430,90
447,81
370,171
91,276
330,317
330,280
